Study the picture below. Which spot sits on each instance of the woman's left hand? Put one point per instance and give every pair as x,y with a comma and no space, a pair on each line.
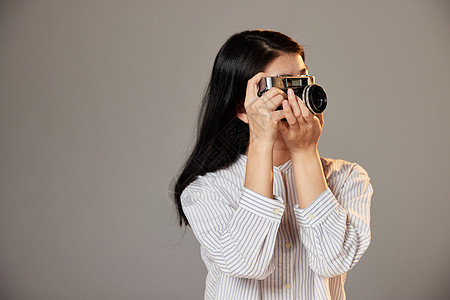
302,130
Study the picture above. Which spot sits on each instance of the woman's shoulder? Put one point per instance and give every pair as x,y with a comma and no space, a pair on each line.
336,165
225,181
340,172
344,177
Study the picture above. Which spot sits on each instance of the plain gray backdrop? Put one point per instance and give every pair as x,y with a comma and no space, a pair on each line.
99,101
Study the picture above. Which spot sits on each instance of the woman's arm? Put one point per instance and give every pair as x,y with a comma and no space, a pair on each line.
335,231
301,134
335,227
239,238
263,121
259,170
309,177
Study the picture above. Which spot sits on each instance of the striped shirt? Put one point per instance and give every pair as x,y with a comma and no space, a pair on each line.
256,247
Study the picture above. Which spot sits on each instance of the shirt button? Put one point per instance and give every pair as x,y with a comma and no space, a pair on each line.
287,285
311,216
276,211
287,245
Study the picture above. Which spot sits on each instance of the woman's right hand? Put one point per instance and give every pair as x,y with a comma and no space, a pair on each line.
262,117
263,125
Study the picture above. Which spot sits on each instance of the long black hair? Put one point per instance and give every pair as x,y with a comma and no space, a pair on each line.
221,136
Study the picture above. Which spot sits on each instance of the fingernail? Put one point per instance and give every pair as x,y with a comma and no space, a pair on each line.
291,92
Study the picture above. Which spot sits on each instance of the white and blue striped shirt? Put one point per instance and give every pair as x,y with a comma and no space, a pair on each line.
256,247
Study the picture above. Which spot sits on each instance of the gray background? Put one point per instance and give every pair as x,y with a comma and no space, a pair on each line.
98,107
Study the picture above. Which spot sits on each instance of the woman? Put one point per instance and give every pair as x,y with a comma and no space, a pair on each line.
273,218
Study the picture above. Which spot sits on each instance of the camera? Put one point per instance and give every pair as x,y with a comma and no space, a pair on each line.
313,95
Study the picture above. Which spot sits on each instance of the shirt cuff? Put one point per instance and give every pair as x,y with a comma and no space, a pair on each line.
261,205
318,210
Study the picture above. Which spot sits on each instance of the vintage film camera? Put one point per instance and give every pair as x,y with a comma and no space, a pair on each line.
313,95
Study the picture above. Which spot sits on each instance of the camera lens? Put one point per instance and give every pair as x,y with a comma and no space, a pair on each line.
315,98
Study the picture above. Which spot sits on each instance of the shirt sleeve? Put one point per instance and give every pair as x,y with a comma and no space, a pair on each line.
336,230
240,240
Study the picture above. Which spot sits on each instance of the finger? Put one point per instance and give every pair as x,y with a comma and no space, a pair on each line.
300,119
289,114
252,84
294,104
306,114
273,92
274,102
278,115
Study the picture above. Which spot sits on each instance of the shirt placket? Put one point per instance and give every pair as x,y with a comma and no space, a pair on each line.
285,242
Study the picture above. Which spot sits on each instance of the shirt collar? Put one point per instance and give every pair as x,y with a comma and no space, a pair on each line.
284,167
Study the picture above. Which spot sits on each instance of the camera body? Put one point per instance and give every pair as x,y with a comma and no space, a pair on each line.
304,86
